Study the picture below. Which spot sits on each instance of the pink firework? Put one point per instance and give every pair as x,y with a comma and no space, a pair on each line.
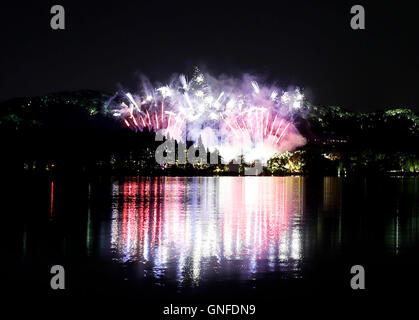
238,117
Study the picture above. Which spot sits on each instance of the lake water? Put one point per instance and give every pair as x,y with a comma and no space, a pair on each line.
216,236
191,229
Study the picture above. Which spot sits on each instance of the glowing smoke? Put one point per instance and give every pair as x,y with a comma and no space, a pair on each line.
235,116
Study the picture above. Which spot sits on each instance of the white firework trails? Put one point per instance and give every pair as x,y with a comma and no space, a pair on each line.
237,117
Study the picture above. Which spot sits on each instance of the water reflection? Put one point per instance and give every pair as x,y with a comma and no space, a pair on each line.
193,228
227,232
402,228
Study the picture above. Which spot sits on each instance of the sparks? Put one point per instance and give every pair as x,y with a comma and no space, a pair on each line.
240,116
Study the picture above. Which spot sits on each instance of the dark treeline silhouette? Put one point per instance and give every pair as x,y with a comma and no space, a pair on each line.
74,133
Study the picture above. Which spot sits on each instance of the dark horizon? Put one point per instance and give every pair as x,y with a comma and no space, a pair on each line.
307,45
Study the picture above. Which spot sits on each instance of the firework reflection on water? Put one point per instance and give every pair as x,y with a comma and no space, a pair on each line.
197,227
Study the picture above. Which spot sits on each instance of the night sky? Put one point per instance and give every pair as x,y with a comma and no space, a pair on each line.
307,44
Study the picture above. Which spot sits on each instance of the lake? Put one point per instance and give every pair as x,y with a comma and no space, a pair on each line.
217,237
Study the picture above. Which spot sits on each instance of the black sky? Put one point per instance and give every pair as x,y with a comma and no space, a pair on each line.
308,44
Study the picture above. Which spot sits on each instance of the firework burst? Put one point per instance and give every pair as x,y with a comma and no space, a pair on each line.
235,117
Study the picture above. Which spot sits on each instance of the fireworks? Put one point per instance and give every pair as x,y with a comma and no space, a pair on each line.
237,117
